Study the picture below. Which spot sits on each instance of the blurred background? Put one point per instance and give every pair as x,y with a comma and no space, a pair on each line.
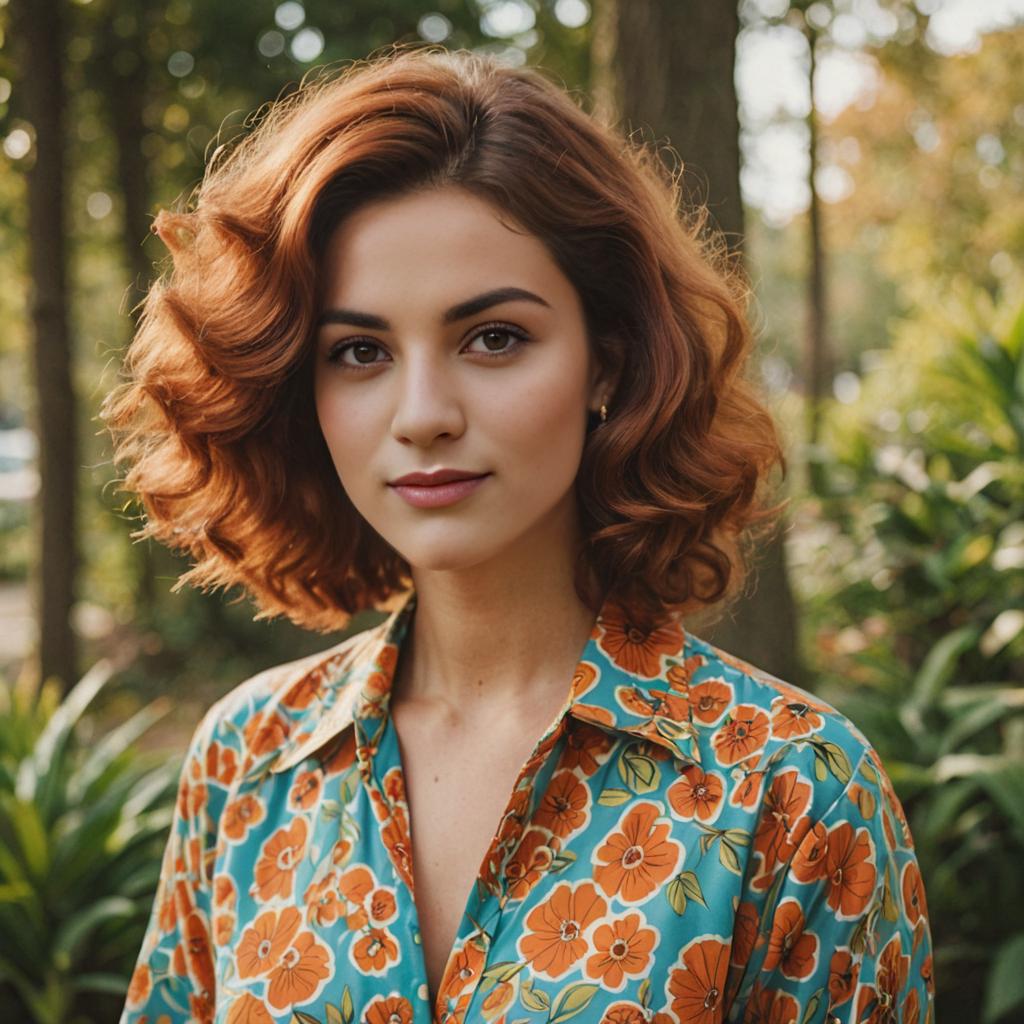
865,158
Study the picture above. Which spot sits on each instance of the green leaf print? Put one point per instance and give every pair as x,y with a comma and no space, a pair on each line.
572,1001
639,772
533,998
812,1007
682,888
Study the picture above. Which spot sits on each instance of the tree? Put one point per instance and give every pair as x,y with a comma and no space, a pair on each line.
37,34
671,67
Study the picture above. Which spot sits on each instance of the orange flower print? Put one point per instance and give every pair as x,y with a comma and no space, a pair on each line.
583,680
586,747
790,947
394,786
198,954
240,815
374,952
393,1009
849,870
192,798
461,972
382,906
709,699
696,794
247,1009
264,733
926,974
223,929
748,786
564,807
306,790
793,718
528,863
638,857
275,868
912,889
842,976
201,1006
225,895
395,835
623,947
744,933
498,1000
745,733
650,703
140,986
912,1008
624,1013
355,885
593,713
697,987
680,675
167,915
635,647
301,972
770,1006
303,692
263,943
340,753
323,904
782,824
373,697
221,763
877,1003
808,863
553,940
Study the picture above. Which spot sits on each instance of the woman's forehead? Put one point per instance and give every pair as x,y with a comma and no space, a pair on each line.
433,251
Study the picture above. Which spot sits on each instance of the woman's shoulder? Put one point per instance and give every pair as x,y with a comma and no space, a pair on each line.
278,705
769,738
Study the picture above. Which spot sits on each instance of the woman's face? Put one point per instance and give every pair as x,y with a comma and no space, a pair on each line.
423,365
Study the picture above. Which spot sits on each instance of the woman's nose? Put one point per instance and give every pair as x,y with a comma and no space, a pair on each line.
427,405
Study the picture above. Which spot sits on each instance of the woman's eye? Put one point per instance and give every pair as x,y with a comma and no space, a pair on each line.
499,340
363,353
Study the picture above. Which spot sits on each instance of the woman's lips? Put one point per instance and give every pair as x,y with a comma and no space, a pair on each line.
438,495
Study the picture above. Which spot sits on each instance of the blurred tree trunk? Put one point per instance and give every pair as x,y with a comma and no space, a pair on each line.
670,66
817,363
38,41
121,77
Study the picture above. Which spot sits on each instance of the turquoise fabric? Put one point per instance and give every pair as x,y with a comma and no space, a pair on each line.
691,841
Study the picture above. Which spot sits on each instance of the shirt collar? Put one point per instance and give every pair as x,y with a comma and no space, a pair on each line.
630,679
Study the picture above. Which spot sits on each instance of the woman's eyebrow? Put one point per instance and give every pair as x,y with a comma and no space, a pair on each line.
457,312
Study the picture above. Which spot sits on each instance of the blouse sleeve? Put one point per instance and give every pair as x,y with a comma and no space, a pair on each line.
842,936
173,979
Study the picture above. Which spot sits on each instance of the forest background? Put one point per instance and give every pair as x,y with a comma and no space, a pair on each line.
880,216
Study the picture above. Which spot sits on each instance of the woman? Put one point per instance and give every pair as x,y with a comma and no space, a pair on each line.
436,342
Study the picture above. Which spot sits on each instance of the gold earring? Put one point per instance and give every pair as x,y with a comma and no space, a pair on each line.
604,412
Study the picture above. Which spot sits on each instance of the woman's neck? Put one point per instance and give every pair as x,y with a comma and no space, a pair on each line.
493,637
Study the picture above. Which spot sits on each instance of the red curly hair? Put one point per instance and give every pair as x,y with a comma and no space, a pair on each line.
214,419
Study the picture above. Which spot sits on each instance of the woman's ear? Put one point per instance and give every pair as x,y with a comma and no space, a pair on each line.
604,381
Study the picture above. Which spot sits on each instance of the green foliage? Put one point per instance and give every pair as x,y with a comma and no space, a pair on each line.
914,608
83,822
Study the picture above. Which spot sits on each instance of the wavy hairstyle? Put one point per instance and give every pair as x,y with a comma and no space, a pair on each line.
213,416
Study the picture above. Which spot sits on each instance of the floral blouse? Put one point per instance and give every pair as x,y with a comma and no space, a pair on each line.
692,841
